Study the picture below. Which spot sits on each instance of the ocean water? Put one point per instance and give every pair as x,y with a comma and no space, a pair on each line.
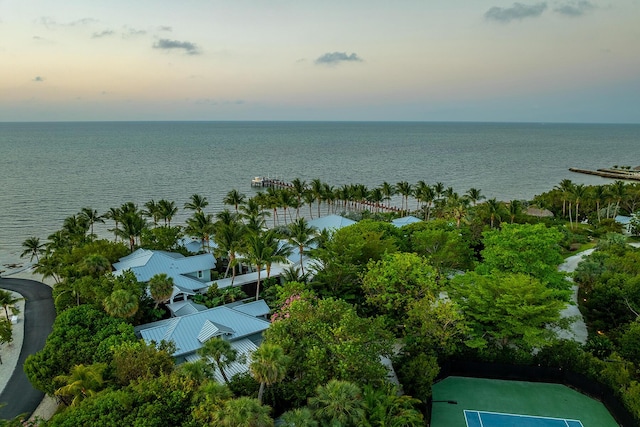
49,171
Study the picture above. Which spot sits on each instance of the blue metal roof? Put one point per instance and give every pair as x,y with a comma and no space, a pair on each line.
185,330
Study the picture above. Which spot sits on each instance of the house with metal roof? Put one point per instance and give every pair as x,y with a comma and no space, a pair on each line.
405,220
242,324
331,222
190,274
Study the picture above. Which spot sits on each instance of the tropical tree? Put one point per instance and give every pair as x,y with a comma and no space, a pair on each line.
298,187
95,265
121,303
475,195
388,190
564,187
243,411
317,189
493,210
268,366
114,214
152,211
201,225
338,403
229,239
8,302
132,226
82,382
618,191
257,251
386,407
219,352
160,288
196,203
234,198
309,197
515,209
168,210
33,248
405,190
301,235
299,417
91,216
579,193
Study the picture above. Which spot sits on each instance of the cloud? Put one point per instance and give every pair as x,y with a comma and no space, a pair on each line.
128,32
518,11
101,34
333,58
165,28
166,44
38,79
51,23
575,8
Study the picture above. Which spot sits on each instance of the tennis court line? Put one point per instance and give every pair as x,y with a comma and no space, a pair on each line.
565,421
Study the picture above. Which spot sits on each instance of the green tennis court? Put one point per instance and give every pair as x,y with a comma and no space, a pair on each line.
478,402
494,419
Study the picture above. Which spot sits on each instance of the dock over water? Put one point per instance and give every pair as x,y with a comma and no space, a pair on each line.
631,175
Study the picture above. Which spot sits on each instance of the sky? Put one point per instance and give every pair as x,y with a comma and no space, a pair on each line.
574,61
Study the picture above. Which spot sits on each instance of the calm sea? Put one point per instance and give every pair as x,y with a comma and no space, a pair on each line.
51,170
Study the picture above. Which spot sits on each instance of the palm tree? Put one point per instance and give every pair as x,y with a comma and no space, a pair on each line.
243,411
278,251
229,241
201,225
405,189
8,301
388,190
152,211
599,194
564,187
317,188
299,417
268,366
385,407
196,203
33,248
132,226
515,209
298,187
579,192
309,197
114,214
82,382
121,303
95,265
167,211
618,190
160,288
76,228
91,216
438,188
302,235
234,198
376,196
257,252
338,403
493,209
285,200
219,352
475,195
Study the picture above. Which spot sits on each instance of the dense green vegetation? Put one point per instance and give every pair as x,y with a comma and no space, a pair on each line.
477,279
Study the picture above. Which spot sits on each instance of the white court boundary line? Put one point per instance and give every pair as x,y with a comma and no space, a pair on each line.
565,420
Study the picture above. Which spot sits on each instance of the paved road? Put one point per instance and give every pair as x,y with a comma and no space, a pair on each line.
39,314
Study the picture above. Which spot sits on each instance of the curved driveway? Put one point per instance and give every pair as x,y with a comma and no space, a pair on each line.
39,313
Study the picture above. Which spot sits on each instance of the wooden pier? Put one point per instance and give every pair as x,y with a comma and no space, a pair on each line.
260,181
610,173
